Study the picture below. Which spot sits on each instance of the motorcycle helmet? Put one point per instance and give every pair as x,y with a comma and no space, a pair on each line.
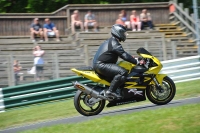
119,32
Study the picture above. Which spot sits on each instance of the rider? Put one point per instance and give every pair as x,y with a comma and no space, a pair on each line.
105,59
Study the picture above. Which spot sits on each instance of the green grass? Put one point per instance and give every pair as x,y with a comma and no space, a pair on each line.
181,119
66,108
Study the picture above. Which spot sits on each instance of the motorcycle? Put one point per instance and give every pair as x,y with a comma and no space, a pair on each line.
90,99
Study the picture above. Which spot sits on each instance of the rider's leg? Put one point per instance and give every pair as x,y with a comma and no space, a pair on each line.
113,71
117,81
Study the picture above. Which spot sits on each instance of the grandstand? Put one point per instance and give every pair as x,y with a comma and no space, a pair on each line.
172,38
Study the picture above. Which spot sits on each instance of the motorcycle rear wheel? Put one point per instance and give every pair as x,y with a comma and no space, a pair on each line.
80,100
157,97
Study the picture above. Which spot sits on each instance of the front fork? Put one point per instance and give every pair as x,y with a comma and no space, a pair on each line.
158,86
158,81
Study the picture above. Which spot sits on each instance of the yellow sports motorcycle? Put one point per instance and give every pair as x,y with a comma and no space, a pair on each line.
90,99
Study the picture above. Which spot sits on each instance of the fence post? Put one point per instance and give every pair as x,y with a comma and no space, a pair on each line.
10,65
181,6
86,54
56,65
146,46
187,12
2,106
174,53
8,71
193,26
164,47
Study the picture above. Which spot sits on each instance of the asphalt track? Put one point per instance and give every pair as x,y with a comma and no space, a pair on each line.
76,119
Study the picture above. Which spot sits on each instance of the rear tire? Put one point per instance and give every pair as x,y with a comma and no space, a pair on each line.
79,102
167,83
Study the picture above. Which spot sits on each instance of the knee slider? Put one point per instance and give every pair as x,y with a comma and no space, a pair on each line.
120,78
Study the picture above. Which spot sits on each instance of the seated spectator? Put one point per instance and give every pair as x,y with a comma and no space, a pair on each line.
146,19
75,21
17,69
119,21
124,18
50,30
135,21
90,21
38,61
36,29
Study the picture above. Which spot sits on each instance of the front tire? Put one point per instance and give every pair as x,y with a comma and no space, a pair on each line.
161,98
80,103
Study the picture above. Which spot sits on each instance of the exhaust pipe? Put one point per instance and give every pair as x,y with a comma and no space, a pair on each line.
87,90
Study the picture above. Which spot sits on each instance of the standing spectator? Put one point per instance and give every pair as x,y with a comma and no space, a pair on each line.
36,29
124,18
50,30
119,21
38,61
75,21
90,21
17,69
135,21
146,19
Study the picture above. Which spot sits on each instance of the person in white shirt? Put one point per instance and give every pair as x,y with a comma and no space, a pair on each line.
146,19
90,20
38,61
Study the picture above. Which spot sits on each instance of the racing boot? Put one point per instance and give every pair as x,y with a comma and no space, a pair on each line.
116,82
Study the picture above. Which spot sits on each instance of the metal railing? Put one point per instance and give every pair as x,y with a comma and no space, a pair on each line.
55,66
184,17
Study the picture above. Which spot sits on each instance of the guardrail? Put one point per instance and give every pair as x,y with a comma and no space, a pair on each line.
183,69
180,70
33,93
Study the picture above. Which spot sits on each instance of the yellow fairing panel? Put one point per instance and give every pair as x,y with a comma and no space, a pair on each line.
90,75
160,77
126,65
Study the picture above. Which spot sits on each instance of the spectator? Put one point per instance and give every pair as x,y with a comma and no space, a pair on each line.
36,29
38,61
17,69
119,21
50,30
146,19
135,21
90,21
124,18
75,21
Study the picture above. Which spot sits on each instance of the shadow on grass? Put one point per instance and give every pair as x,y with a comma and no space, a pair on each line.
140,108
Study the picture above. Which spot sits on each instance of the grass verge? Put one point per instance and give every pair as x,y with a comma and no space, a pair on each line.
181,119
66,108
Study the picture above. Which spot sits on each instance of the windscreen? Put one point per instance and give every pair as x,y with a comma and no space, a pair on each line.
143,51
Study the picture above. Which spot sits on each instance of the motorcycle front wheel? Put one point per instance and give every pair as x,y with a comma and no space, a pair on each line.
81,103
164,96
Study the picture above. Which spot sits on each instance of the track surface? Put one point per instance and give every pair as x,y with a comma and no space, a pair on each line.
76,119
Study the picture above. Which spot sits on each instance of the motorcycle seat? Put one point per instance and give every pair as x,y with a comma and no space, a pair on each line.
85,68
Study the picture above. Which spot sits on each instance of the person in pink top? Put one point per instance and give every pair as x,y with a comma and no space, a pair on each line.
135,21
120,21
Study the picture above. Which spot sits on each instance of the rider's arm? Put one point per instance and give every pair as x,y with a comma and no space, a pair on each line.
118,49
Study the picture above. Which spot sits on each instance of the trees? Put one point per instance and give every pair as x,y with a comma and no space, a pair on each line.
40,6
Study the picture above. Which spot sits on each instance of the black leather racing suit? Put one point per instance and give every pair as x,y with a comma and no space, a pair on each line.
104,62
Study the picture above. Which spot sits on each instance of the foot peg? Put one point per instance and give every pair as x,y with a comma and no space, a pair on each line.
109,93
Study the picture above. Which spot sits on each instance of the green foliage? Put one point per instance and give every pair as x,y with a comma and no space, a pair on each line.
44,6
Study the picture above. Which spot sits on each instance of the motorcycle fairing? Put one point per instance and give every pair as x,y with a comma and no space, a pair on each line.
90,75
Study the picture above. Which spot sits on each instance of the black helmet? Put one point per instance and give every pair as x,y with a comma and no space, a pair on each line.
118,31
